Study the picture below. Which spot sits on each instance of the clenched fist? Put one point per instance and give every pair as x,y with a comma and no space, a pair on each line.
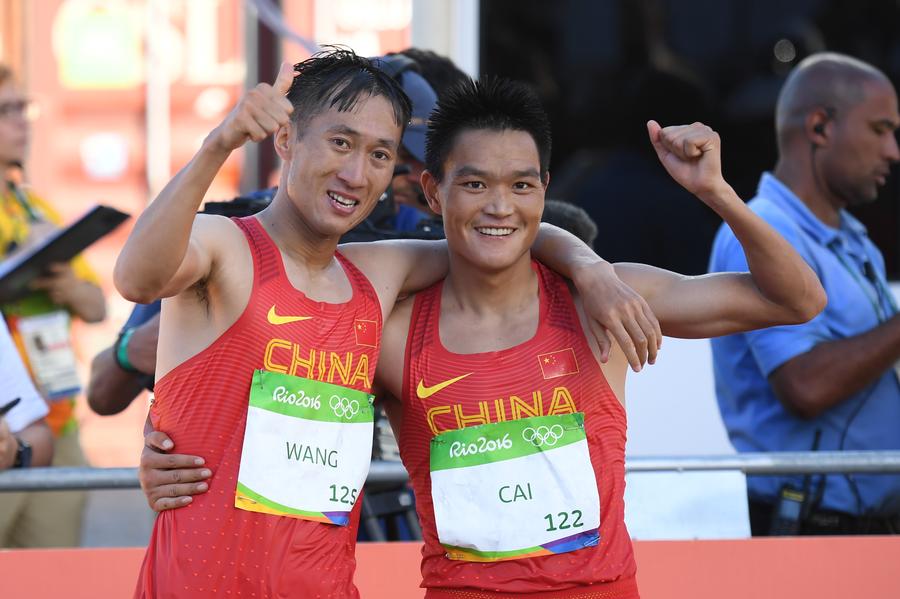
692,156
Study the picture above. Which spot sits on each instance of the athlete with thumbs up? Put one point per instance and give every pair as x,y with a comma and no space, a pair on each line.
270,334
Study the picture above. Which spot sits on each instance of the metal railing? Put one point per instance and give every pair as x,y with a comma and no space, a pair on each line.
385,473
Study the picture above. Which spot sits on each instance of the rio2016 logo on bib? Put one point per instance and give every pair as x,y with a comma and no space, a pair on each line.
543,435
480,445
300,398
343,407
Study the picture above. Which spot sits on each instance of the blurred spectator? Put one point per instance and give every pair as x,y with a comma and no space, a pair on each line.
25,438
439,74
642,215
409,202
122,371
40,325
571,218
830,384
439,71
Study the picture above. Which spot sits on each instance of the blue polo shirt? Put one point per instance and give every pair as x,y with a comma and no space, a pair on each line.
851,270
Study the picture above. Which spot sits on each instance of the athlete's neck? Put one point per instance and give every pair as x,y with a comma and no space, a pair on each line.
289,230
473,290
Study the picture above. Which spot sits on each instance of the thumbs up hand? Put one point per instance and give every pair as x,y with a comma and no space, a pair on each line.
259,113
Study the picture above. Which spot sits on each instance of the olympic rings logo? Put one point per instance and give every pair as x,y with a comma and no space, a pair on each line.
343,407
543,435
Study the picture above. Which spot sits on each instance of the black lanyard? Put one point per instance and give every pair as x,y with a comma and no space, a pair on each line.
23,202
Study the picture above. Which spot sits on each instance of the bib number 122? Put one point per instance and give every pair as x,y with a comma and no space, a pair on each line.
562,518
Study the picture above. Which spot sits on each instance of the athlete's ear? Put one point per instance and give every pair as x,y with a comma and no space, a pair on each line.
546,180
283,138
430,187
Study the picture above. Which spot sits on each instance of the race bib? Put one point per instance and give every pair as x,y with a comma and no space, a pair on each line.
48,345
307,448
515,489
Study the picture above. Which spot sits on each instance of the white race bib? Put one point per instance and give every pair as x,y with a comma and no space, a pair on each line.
48,345
511,490
307,448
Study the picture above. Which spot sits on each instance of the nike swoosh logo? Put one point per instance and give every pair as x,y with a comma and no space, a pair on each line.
425,392
274,318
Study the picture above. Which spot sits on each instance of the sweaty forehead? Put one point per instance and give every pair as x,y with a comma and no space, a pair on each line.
370,119
501,153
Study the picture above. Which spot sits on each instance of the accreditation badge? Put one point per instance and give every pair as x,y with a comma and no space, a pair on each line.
48,345
511,490
307,448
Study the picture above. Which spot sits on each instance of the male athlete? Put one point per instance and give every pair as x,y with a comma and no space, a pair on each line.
510,425
263,311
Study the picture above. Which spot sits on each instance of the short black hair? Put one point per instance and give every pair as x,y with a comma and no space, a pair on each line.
493,103
338,77
439,71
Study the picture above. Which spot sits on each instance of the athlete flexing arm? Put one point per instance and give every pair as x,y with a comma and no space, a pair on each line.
780,287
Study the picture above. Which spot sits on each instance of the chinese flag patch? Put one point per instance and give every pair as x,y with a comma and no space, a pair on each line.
366,332
558,363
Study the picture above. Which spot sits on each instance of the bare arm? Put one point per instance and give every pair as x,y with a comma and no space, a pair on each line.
168,251
112,388
780,287
834,371
401,267
37,434
612,306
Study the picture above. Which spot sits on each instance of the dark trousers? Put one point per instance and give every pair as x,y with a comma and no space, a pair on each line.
823,522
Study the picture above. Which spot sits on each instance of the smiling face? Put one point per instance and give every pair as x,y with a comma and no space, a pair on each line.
861,146
491,197
339,166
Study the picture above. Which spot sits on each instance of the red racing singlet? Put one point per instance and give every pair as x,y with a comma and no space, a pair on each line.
210,548
552,373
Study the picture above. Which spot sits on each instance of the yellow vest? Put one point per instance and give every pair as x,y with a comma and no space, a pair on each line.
19,208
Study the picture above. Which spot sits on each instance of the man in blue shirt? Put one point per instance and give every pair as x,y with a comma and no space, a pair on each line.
829,384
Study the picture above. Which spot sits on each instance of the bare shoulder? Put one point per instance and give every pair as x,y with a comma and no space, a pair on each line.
385,263
616,368
195,317
216,229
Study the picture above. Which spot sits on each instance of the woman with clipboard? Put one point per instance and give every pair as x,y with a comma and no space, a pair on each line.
40,326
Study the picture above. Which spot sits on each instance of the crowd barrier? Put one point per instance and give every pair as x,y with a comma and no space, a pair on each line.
802,462
774,568
799,567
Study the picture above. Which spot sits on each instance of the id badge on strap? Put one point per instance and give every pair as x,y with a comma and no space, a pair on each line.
511,490
48,345
307,448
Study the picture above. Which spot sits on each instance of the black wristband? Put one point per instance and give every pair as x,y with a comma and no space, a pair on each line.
23,454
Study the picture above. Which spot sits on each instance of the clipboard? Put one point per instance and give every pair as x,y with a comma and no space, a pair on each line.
60,246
